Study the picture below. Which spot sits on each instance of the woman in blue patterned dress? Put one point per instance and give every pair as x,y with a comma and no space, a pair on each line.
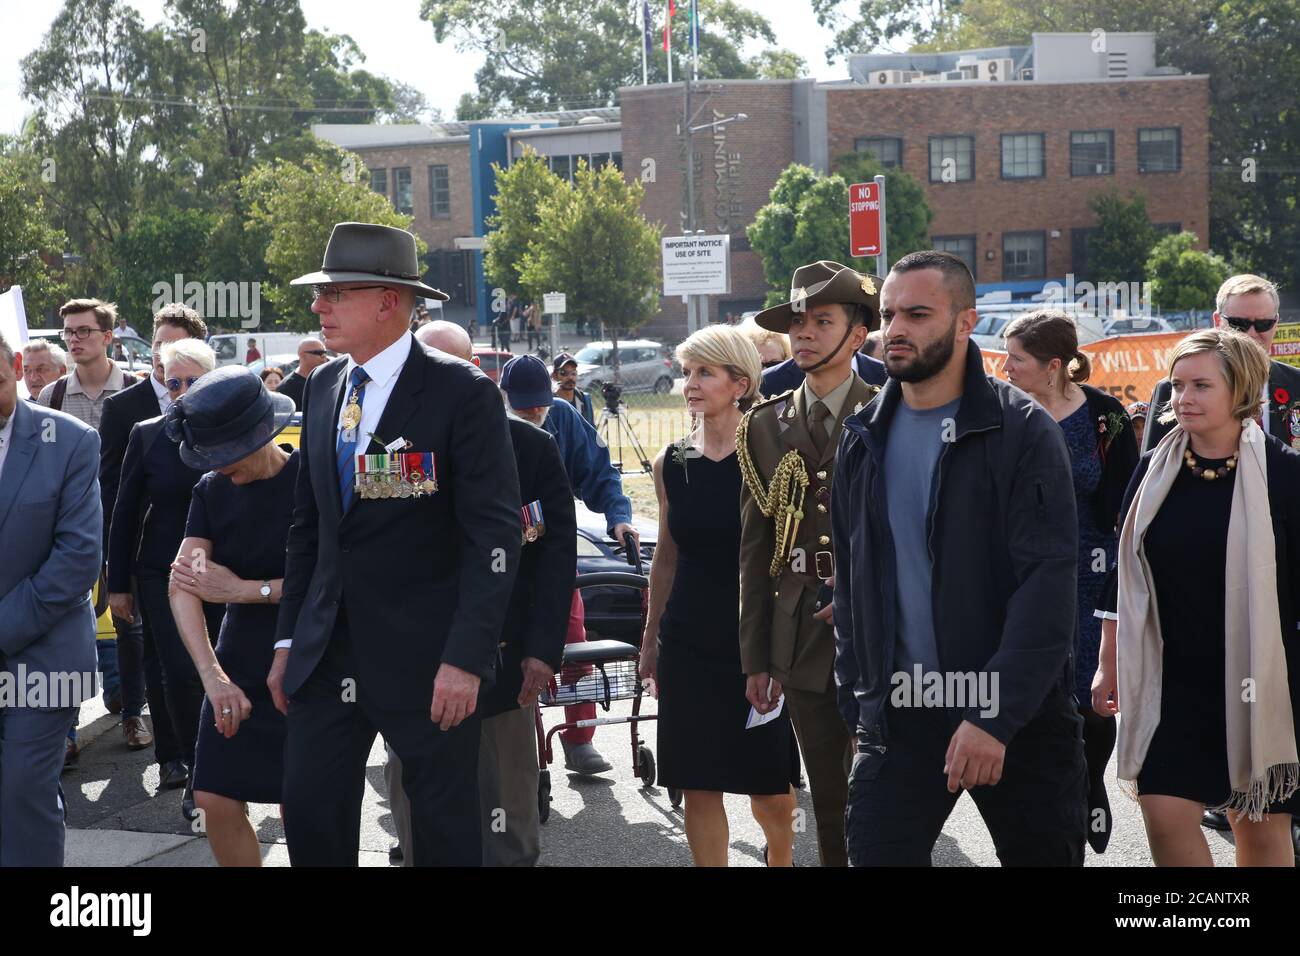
1043,358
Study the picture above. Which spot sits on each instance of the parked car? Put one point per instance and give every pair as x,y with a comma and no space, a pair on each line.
287,364
232,347
642,366
994,319
1137,325
490,361
612,613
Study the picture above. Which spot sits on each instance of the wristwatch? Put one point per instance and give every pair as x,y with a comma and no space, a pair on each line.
265,591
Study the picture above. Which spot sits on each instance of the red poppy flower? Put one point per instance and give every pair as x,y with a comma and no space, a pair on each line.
1281,396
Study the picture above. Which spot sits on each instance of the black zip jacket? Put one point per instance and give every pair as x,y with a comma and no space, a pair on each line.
1003,537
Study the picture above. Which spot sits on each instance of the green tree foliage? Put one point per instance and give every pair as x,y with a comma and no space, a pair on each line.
543,54
134,120
297,205
1118,250
780,65
26,234
155,248
93,125
1183,277
522,189
594,245
806,219
907,214
861,26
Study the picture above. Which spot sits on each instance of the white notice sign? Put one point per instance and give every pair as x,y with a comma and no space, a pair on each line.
553,303
697,265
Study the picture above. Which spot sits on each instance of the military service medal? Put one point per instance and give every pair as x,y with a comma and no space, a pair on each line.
1293,424
534,526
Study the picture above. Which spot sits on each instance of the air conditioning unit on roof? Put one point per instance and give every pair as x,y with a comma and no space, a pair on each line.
885,77
1000,69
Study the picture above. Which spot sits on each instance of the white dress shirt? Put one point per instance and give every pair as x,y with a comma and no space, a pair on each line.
6,437
164,396
383,370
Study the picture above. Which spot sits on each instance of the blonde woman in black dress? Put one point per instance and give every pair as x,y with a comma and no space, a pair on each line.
691,645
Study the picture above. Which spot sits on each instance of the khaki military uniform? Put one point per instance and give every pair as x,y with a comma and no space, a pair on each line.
778,634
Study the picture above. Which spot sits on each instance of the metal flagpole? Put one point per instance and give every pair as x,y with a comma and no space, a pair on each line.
645,43
668,39
695,39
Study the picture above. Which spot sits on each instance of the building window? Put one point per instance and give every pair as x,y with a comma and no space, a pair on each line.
1022,255
402,197
617,160
963,247
1022,155
439,192
887,149
562,166
1092,152
379,181
1167,228
952,158
1159,150
1079,240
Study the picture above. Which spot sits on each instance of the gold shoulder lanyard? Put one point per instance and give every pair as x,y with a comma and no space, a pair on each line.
782,500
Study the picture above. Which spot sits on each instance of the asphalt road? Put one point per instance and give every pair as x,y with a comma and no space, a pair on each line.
117,817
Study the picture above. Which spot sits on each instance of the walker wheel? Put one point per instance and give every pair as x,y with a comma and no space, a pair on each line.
645,766
544,796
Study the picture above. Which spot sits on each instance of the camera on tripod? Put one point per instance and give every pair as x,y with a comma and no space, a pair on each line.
612,394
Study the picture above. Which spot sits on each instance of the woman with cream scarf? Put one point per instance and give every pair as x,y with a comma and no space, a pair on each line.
1205,662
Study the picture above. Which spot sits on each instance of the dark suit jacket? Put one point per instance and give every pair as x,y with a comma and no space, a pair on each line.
122,411
784,377
538,616
1280,375
153,503
293,386
421,581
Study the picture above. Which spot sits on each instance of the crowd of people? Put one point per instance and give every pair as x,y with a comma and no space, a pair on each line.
999,574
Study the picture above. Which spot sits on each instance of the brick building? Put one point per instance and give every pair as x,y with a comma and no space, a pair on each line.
1009,144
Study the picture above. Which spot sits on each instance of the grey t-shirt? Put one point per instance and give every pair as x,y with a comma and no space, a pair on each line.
911,453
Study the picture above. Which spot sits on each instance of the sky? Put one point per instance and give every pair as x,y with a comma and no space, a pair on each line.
395,41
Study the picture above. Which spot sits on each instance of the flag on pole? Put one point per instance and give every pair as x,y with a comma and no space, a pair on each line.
647,43
668,37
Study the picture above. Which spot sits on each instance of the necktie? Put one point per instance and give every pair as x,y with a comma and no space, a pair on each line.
347,450
818,417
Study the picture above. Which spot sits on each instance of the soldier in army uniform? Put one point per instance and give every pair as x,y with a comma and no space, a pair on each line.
786,447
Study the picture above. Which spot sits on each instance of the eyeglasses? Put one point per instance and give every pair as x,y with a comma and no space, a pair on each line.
174,384
332,292
318,351
1244,325
773,363
80,334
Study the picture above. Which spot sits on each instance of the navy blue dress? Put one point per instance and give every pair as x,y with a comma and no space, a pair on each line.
248,526
702,740
1085,463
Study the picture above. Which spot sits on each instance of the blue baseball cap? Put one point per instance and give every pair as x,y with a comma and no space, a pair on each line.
526,382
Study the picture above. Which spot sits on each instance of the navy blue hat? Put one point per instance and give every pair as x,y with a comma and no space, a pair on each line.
225,416
526,382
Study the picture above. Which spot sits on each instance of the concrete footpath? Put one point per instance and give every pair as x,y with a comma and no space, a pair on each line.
118,817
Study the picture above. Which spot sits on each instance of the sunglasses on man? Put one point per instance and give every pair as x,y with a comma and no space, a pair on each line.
174,384
318,352
1244,325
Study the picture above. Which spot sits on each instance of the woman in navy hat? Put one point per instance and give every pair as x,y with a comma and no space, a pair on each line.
233,553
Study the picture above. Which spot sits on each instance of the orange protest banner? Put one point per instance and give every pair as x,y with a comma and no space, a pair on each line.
1126,366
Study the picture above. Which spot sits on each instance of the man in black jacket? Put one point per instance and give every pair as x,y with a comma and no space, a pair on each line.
787,375
311,355
401,557
1249,304
137,657
532,643
956,543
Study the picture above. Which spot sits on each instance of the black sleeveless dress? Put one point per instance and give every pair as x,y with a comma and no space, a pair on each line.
703,743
